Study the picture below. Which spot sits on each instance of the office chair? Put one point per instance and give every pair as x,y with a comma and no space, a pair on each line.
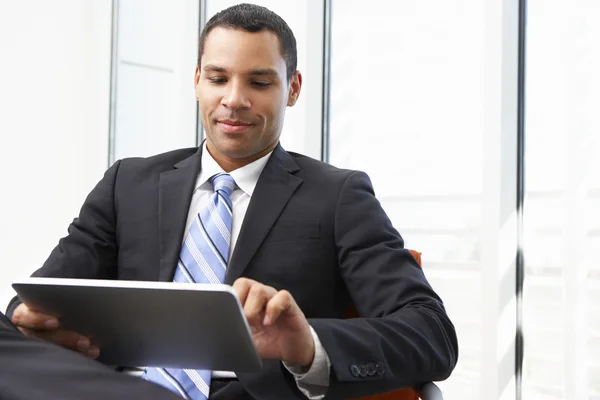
428,391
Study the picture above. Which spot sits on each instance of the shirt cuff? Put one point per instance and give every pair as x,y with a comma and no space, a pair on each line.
313,381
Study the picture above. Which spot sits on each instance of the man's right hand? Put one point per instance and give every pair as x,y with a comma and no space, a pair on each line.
37,324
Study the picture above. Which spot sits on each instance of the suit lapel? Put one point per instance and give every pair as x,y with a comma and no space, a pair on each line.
273,190
175,190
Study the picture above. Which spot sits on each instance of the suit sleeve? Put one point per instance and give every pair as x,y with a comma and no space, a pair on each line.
89,251
404,337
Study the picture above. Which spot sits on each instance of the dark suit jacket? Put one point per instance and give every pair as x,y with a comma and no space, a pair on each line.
313,229
34,369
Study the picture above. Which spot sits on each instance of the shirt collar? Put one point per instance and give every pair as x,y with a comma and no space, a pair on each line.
245,177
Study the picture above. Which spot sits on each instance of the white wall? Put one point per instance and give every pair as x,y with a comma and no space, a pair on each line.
54,119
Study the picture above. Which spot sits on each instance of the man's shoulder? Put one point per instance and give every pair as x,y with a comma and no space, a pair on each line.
159,162
313,168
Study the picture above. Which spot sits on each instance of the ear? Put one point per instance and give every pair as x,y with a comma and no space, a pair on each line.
295,86
196,80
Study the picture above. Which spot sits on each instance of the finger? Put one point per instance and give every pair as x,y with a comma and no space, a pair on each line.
258,296
28,318
64,338
93,352
68,339
242,287
281,302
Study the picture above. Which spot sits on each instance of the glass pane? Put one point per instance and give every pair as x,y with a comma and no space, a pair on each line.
155,108
562,213
406,107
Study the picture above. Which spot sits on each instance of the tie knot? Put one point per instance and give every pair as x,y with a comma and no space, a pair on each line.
224,183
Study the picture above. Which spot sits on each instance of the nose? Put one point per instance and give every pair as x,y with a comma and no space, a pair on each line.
235,98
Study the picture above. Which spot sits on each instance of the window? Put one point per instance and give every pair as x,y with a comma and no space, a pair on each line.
153,106
406,107
561,311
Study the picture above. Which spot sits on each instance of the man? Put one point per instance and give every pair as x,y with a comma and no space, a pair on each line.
300,241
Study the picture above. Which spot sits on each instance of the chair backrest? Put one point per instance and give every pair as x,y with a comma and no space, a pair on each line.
403,394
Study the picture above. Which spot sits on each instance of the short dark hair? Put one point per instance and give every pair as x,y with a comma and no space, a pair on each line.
253,18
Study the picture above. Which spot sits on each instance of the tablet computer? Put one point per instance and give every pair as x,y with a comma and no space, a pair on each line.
150,324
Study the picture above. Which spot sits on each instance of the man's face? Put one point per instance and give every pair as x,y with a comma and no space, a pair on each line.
242,91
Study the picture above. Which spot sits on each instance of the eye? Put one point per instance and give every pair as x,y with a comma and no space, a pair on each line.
261,84
217,80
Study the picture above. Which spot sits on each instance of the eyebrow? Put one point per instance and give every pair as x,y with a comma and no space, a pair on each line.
263,72
214,68
255,72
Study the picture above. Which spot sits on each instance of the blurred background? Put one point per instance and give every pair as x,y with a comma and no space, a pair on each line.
478,122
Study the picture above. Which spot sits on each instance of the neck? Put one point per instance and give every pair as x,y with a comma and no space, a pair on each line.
230,164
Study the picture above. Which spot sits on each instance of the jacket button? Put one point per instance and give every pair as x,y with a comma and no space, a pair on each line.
354,370
363,370
379,369
370,369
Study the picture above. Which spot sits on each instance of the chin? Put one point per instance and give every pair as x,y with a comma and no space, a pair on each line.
234,148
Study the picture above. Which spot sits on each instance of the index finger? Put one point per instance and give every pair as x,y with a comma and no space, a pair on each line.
242,287
279,303
27,318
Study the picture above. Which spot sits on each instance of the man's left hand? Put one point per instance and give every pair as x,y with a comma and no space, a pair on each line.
279,328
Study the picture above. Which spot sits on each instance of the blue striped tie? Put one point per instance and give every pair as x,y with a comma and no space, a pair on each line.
203,259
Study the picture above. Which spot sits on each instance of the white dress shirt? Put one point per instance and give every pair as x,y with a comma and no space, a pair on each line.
313,382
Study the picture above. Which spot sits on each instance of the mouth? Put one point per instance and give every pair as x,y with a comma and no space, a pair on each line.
233,126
